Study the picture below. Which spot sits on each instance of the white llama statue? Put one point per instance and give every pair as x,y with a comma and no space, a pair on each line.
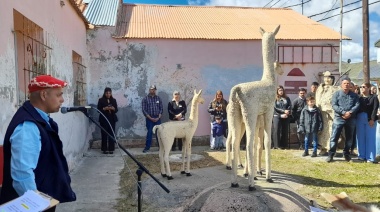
247,102
258,142
166,133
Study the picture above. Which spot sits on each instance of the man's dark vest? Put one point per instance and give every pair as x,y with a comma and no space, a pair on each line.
51,173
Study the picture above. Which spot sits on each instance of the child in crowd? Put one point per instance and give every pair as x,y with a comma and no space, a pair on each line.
218,132
310,124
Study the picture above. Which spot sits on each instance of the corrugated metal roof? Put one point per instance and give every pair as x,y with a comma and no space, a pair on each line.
102,12
226,23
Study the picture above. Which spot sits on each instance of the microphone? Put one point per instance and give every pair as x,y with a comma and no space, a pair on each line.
75,108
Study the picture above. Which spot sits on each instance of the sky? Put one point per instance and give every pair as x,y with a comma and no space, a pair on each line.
352,21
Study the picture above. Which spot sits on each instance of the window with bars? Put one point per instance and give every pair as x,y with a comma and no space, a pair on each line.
32,52
79,72
288,54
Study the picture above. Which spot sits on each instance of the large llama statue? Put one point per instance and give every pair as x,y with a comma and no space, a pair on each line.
247,102
166,133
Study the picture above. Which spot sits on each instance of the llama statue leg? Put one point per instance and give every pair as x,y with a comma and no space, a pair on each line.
167,147
161,151
188,156
259,135
239,132
162,162
184,148
167,165
228,151
240,136
234,159
234,129
267,144
259,142
250,128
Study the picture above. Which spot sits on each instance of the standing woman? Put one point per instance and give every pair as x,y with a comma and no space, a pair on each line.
281,119
108,107
177,110
366,124
217,107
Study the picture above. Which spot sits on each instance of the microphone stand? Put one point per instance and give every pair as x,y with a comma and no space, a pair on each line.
141,168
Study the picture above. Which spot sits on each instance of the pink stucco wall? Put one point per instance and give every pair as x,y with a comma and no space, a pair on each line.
130,66
66,32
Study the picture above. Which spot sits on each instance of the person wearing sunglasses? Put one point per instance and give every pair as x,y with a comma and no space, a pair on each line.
366,124
345,104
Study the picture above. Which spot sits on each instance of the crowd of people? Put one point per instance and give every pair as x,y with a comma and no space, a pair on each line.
354,109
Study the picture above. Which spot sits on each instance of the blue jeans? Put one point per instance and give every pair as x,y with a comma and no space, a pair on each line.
219,141
149,126
311,136
349,127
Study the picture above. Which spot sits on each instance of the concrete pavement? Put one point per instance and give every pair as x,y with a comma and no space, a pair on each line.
96,183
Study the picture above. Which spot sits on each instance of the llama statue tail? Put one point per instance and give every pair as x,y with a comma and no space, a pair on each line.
156,131
235,91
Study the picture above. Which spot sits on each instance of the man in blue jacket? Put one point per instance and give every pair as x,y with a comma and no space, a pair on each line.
33,155
345,104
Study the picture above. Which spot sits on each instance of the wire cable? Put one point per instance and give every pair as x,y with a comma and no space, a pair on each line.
298,4
284,3
268,3
346,11
334,9
329,9
274,3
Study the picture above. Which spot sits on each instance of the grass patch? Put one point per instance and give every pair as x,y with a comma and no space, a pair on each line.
359,180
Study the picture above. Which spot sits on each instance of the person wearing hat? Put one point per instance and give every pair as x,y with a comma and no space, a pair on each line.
107,105
33,155
152,110
177,110
345,104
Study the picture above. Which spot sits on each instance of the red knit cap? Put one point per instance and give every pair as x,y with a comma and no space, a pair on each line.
45,81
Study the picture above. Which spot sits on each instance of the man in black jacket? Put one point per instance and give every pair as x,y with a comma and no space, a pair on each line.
298,104
33,154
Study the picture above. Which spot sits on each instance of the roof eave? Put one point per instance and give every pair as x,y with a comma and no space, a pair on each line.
377,43
79,12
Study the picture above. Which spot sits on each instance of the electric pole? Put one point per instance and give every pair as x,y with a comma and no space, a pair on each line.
366,71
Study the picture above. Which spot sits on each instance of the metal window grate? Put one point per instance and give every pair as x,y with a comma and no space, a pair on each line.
79,71
32,52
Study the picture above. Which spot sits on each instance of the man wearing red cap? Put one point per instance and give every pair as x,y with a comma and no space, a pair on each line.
33,155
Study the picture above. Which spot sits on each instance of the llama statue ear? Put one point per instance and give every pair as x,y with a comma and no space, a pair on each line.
200,91
276,30
195,92
262,31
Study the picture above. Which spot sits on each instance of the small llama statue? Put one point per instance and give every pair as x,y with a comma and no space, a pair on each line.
166,133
